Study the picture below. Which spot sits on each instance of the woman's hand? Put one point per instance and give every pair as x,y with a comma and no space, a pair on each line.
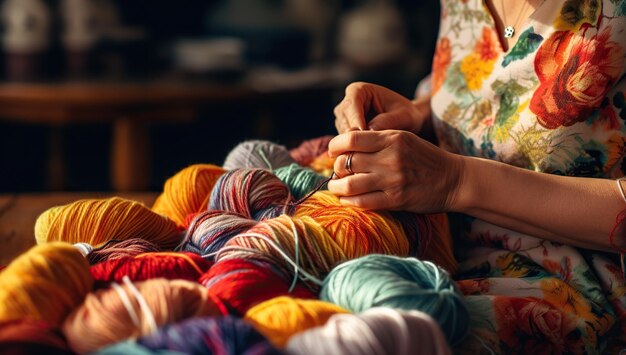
394,170
389,109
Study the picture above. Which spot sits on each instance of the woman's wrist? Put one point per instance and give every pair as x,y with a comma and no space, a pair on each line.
465,190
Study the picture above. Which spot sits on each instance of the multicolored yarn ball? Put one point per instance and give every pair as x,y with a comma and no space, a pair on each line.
168,265
96,222
300,180
241,284
209,231
377,331
253,193
223,335
132,310
119,249
299,246
187,192
46,283
283,317
310,149
357,231
26,336
258,154
403,283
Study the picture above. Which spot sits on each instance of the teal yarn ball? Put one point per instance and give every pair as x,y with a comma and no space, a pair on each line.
300,180
258,154
402,283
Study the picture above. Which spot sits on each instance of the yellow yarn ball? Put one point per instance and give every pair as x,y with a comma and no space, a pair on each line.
187,192
280,318
96,222
45,283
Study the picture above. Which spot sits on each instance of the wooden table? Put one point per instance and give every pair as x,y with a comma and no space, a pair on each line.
130,107
19,212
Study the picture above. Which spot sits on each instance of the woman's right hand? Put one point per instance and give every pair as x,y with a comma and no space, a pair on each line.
389,109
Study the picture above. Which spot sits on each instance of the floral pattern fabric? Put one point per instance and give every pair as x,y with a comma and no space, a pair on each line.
553,103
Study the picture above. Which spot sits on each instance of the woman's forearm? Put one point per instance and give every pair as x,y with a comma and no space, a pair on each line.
576,211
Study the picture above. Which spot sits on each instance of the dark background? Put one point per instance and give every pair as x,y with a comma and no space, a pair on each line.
300,115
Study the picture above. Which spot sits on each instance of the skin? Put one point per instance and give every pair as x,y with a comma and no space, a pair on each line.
396,169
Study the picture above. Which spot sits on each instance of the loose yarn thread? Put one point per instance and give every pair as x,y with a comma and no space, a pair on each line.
300,180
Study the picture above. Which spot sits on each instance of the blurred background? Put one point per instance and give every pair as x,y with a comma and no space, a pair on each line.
118,95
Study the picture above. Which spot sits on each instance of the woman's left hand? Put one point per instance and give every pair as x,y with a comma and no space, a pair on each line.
394,170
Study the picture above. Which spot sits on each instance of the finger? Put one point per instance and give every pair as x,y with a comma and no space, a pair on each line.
399,119
353,185
359,163
357,141
356,104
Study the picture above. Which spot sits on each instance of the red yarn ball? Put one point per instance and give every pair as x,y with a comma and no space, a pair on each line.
25,336
169,265
241,284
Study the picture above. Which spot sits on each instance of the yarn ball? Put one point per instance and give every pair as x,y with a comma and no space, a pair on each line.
258,154
300,180
209,231
437,239
241,284
119,249
253,193
358,231
187,192
26,336
282,317
403,283
323,164
377,331
186,266
310,149
223,335
46,283
299,246
98,221
132,310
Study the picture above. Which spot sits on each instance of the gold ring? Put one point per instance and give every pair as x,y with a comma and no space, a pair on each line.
349,163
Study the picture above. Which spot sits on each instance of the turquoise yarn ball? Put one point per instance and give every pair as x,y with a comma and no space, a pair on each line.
300,180
402,283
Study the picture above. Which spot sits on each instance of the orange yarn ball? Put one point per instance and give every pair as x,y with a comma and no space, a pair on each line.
132,310
187,192
377,232
45,283
96,222
282,317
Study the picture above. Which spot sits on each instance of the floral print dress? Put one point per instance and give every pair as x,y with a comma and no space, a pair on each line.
554,103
